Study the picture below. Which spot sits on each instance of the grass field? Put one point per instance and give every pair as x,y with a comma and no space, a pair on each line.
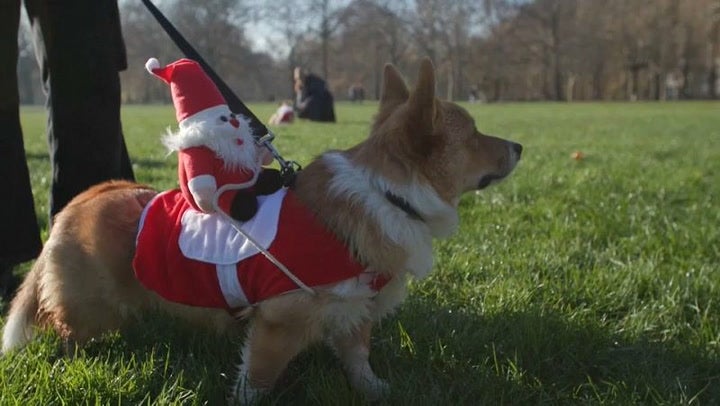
573,282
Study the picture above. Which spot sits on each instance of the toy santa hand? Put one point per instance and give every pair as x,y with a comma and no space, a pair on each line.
266,157
203,190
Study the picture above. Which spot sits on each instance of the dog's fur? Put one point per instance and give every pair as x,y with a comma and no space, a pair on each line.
425,151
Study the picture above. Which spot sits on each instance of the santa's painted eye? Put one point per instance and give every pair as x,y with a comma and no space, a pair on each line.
223,119
232,115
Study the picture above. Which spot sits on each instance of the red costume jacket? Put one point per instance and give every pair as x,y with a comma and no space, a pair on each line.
300,242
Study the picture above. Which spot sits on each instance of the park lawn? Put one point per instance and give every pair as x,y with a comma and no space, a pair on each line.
573,282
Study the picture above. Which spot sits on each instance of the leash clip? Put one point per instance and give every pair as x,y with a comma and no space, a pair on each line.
288,169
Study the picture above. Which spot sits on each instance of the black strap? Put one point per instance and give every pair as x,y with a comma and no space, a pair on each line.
403,205
234,103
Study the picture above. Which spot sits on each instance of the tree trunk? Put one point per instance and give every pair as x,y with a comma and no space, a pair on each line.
570,88
659,88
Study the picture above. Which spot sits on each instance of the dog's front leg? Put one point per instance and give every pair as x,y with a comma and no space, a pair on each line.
353,349
268,349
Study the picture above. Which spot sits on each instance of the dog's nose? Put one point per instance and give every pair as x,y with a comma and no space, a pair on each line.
517,148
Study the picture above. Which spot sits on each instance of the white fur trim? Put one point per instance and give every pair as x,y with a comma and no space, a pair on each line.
440,216
230,286
152,64
361,185
212,238
203,189
210,114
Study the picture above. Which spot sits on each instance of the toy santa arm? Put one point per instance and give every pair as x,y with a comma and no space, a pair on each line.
266,157
197,163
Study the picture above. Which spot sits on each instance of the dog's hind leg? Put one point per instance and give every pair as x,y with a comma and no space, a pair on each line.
268,349
353,349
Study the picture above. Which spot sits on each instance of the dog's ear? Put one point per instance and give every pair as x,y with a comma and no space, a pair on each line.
423,108
394,90
423,95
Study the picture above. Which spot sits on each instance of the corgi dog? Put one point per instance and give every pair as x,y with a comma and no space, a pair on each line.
385,199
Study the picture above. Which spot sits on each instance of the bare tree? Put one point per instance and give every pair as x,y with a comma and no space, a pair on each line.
371,35
289,19
216,30
714,44
328,23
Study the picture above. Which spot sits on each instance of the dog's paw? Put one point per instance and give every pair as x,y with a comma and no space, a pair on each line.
242,393
372,387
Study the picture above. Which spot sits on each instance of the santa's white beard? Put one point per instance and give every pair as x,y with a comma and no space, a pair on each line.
222,139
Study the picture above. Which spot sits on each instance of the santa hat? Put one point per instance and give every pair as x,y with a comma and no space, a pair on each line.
195,96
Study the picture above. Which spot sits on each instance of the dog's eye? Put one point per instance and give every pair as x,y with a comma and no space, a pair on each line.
224,119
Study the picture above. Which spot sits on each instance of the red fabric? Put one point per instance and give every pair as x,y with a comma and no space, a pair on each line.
157,263
192,90
287,116
304,245
196,161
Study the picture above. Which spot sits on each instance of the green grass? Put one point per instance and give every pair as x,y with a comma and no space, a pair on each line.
590,282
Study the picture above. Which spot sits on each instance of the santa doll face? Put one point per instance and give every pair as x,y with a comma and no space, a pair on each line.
217,123
230,139
230,119
220,122
222,131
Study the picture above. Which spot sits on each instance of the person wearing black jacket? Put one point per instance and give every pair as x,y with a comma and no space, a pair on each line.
80,50
313,99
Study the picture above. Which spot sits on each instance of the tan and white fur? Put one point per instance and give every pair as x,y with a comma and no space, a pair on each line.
422,150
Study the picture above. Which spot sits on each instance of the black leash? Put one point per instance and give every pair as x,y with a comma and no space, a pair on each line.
263,136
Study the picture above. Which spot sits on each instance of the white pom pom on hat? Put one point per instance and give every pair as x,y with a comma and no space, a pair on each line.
191,88
152,64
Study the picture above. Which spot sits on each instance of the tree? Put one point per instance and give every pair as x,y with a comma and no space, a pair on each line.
371,35
508,49
328,22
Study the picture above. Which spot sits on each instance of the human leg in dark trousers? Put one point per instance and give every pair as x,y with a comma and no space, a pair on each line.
19,231
80,50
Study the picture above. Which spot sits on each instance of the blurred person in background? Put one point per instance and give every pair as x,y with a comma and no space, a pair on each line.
313,100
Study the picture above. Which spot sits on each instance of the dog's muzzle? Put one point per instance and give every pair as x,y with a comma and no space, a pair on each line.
515,153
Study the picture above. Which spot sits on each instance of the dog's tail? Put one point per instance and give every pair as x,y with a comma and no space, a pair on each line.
18,329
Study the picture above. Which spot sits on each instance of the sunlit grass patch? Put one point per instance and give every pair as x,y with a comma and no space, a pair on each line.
574,281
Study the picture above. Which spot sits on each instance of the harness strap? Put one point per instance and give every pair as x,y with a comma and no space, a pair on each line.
236,225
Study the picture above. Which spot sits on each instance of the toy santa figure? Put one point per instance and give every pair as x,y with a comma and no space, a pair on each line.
215,146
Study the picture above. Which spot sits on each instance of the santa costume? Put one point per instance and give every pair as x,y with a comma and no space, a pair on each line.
215,147
190,254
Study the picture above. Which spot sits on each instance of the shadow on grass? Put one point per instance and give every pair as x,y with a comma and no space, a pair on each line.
175,359
436,355
532,357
